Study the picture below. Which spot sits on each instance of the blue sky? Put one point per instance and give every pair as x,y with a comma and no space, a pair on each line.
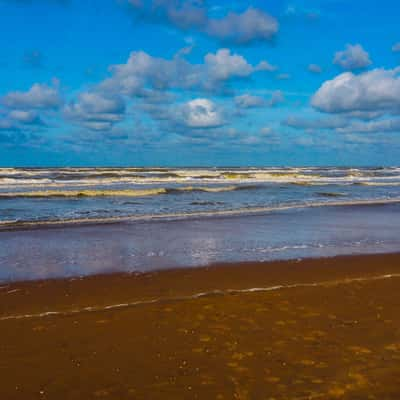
195,82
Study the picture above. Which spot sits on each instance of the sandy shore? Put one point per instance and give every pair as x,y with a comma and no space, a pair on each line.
312,329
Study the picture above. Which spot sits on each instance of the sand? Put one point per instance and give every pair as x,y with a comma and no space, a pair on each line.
313,329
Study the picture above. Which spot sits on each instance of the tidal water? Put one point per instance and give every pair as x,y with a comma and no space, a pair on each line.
79,221
78,194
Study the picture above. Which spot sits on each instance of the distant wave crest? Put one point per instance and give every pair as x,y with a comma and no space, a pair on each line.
121,193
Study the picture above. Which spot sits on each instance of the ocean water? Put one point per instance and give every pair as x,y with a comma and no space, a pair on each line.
69,222
79,194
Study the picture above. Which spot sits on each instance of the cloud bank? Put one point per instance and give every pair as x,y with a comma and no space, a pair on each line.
240,28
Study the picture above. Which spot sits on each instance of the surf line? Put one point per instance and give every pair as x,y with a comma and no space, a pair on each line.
15,224
199,295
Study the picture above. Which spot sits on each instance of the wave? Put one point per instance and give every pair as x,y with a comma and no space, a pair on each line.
11,224
120,193
82,193
180,177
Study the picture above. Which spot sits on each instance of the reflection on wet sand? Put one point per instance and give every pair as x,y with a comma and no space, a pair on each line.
65,252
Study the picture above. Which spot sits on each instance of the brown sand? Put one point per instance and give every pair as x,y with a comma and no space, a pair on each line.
338,338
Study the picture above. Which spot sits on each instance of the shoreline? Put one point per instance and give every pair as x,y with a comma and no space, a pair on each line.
310,329
85,250
102,292
269,266
11,226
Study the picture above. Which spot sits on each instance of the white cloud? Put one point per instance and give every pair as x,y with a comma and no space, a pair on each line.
95,111
184,14
240,28
224,65
201,113
251,25
39,96
376,90
25,117
145,71
250,101
353,57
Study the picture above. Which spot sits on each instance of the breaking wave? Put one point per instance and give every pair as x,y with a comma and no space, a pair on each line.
53,177
121,193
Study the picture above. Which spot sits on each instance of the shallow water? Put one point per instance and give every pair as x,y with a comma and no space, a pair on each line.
140,246
76,194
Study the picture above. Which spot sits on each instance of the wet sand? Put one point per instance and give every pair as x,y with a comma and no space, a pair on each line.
313,329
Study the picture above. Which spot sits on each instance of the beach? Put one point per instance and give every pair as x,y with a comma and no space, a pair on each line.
199,200
307,329
200,283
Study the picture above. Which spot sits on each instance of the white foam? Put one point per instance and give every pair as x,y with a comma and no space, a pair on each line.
94,176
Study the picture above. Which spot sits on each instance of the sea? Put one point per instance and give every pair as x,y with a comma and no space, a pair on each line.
68,222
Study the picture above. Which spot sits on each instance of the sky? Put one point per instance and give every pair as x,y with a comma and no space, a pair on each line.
199,83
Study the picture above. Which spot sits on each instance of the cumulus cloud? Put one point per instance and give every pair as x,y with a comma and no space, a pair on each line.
23,109
151,79
95,111
250,101
240,28
251,25
353,57
201,113
183,14
376,90
197,118
25,117
39,96
20,122
314,68
224,65
145,71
